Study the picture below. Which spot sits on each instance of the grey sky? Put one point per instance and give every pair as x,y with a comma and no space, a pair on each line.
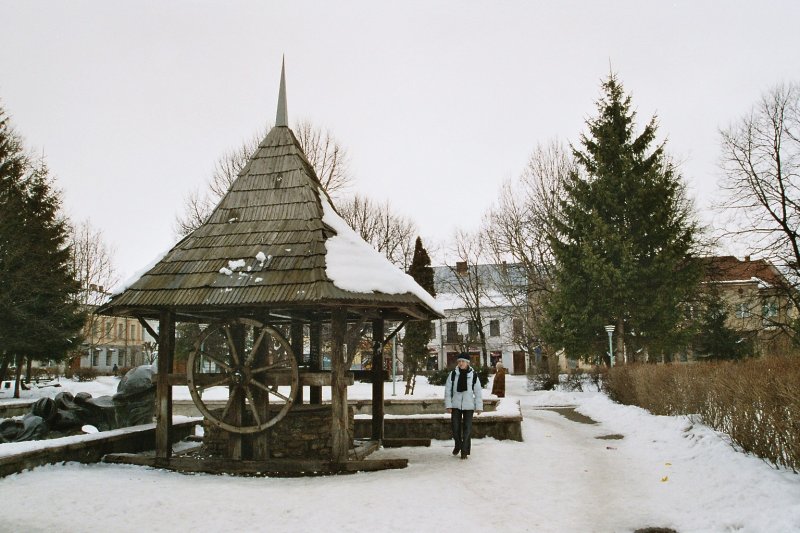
132,103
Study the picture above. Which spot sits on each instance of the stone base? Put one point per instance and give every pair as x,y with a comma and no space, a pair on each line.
304,433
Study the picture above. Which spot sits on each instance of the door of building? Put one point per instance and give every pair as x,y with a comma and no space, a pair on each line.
519,362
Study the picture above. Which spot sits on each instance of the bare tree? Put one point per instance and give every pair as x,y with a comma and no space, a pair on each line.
326,155
469,281
517,231
329,158
761,164
93,264
388,232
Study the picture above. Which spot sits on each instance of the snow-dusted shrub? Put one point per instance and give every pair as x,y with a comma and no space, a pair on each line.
755,402
84,374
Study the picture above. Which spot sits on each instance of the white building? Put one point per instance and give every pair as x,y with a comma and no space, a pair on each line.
460,290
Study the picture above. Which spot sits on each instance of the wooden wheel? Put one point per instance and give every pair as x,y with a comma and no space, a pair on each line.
252,377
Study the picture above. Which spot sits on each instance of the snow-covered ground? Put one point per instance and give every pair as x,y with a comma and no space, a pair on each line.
665,472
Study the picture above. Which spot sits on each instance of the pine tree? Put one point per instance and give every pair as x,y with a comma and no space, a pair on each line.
415,343
41,317
621,240
714,339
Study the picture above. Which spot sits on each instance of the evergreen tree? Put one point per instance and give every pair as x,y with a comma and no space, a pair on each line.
714,339
40,313
415,344
621,240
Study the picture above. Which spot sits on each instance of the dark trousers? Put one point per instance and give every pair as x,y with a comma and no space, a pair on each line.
462,429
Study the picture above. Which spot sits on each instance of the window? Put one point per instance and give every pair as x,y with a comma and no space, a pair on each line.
133,332
742,310
432,332
120,331
452,332
472,328
494,328
516,327
95,358
109,327
769,313
108,358
96,329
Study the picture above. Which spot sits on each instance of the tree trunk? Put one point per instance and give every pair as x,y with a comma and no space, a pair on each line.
17,376
619,353
28,370
4,361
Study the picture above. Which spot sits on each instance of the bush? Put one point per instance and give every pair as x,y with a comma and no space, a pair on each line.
437,377
755,402
84,374
544,375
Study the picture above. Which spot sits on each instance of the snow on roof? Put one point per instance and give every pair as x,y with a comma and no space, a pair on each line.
353,265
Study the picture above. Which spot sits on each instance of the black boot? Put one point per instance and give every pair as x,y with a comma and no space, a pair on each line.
464,455
456,449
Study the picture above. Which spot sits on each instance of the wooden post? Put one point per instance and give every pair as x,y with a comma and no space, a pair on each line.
315,338
261,440
296,333
238,406
166,353
377,379
339,409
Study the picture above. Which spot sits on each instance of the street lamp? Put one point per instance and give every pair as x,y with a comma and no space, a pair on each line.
610,331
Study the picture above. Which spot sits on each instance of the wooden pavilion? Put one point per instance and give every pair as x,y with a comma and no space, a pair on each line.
273,260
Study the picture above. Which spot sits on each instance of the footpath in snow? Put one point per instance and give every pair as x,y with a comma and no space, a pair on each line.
663,472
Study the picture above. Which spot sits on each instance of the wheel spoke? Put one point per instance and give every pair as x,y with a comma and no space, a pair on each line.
280,364
253,408
252,355
216,383
232,346
231,396
269,390
219,362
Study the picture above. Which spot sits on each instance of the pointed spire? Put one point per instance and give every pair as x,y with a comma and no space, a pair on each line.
281,118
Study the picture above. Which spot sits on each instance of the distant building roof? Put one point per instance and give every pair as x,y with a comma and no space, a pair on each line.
730,269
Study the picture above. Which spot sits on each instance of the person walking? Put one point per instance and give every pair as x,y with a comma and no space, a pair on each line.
462,398
499,382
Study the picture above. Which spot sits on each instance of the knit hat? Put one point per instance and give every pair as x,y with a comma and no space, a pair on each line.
464,356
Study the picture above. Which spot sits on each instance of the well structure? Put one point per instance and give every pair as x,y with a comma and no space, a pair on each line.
271,266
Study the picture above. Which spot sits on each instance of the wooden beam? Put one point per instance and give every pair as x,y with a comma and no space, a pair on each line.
377,378
315,339
238,406
307,379
296,334
147,327
272,467
166,353
339,409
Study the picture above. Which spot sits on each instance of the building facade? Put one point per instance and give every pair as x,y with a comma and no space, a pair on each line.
488,291
110,342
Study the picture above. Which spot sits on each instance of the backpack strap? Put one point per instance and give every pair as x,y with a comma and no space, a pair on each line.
453,380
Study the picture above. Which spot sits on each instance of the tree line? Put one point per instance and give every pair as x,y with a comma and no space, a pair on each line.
602,230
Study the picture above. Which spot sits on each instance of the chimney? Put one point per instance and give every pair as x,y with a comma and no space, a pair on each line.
461,267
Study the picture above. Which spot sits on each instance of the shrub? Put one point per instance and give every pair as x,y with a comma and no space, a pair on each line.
544,375
755,402
84,374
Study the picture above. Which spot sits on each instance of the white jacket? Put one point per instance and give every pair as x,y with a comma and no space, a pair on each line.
468,400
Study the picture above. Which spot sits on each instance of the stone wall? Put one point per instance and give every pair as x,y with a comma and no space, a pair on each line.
304,433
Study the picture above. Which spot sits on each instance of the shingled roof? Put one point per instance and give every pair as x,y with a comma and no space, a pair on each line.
267,244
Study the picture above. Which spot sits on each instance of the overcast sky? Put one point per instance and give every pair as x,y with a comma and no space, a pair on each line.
437,102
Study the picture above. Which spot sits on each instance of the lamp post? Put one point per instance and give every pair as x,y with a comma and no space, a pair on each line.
610,331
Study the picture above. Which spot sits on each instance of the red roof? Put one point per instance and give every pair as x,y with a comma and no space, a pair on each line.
729,268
